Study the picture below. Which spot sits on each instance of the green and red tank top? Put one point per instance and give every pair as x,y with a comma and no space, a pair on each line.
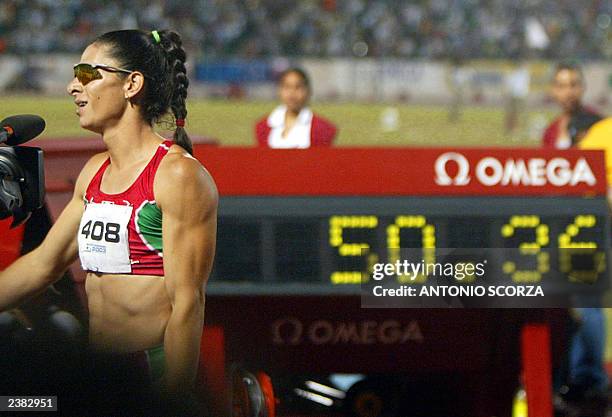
122,233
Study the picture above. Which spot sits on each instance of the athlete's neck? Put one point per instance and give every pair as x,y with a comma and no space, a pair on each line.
130,141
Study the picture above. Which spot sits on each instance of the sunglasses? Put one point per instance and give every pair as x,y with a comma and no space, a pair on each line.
86,73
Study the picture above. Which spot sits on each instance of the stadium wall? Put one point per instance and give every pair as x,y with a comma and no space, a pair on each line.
369,80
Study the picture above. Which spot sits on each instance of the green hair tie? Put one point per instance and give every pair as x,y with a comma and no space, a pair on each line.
156,36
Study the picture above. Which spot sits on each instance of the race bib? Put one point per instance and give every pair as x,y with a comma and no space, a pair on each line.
103,238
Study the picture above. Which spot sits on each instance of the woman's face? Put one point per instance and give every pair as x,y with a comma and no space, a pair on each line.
293,92
101,102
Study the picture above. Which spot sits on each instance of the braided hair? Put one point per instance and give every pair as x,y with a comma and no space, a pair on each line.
161,59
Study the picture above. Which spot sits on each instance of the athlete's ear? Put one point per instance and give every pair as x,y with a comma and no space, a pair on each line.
134,83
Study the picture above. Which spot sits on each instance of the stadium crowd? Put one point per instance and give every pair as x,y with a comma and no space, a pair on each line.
258,28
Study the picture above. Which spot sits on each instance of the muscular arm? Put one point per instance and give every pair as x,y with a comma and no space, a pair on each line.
34,272
188,199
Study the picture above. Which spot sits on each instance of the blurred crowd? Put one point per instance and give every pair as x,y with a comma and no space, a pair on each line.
259,28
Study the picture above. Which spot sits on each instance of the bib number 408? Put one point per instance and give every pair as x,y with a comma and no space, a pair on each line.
98,230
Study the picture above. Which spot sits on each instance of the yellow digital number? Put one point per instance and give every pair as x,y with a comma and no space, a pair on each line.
428,241
337,225
566,243
542,238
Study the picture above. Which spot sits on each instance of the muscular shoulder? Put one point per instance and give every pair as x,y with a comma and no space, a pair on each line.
181,179
88,172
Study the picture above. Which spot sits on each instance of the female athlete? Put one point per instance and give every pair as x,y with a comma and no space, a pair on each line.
142,219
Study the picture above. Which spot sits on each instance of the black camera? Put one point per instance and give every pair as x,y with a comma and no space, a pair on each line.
22,176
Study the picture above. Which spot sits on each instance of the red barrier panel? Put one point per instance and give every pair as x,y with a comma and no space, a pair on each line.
372,171
405,171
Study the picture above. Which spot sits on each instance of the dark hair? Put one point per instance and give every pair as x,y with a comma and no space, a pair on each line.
163,65
569,66
296,70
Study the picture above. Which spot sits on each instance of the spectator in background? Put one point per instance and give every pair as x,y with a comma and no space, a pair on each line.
292,124
567,89
238,28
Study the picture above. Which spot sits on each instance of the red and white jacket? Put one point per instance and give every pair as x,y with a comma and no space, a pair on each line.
309,130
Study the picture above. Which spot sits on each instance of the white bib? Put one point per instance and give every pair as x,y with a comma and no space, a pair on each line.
103,238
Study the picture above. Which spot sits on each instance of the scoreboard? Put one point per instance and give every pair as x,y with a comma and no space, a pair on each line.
314,222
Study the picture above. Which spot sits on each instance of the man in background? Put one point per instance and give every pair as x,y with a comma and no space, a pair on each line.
568,88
